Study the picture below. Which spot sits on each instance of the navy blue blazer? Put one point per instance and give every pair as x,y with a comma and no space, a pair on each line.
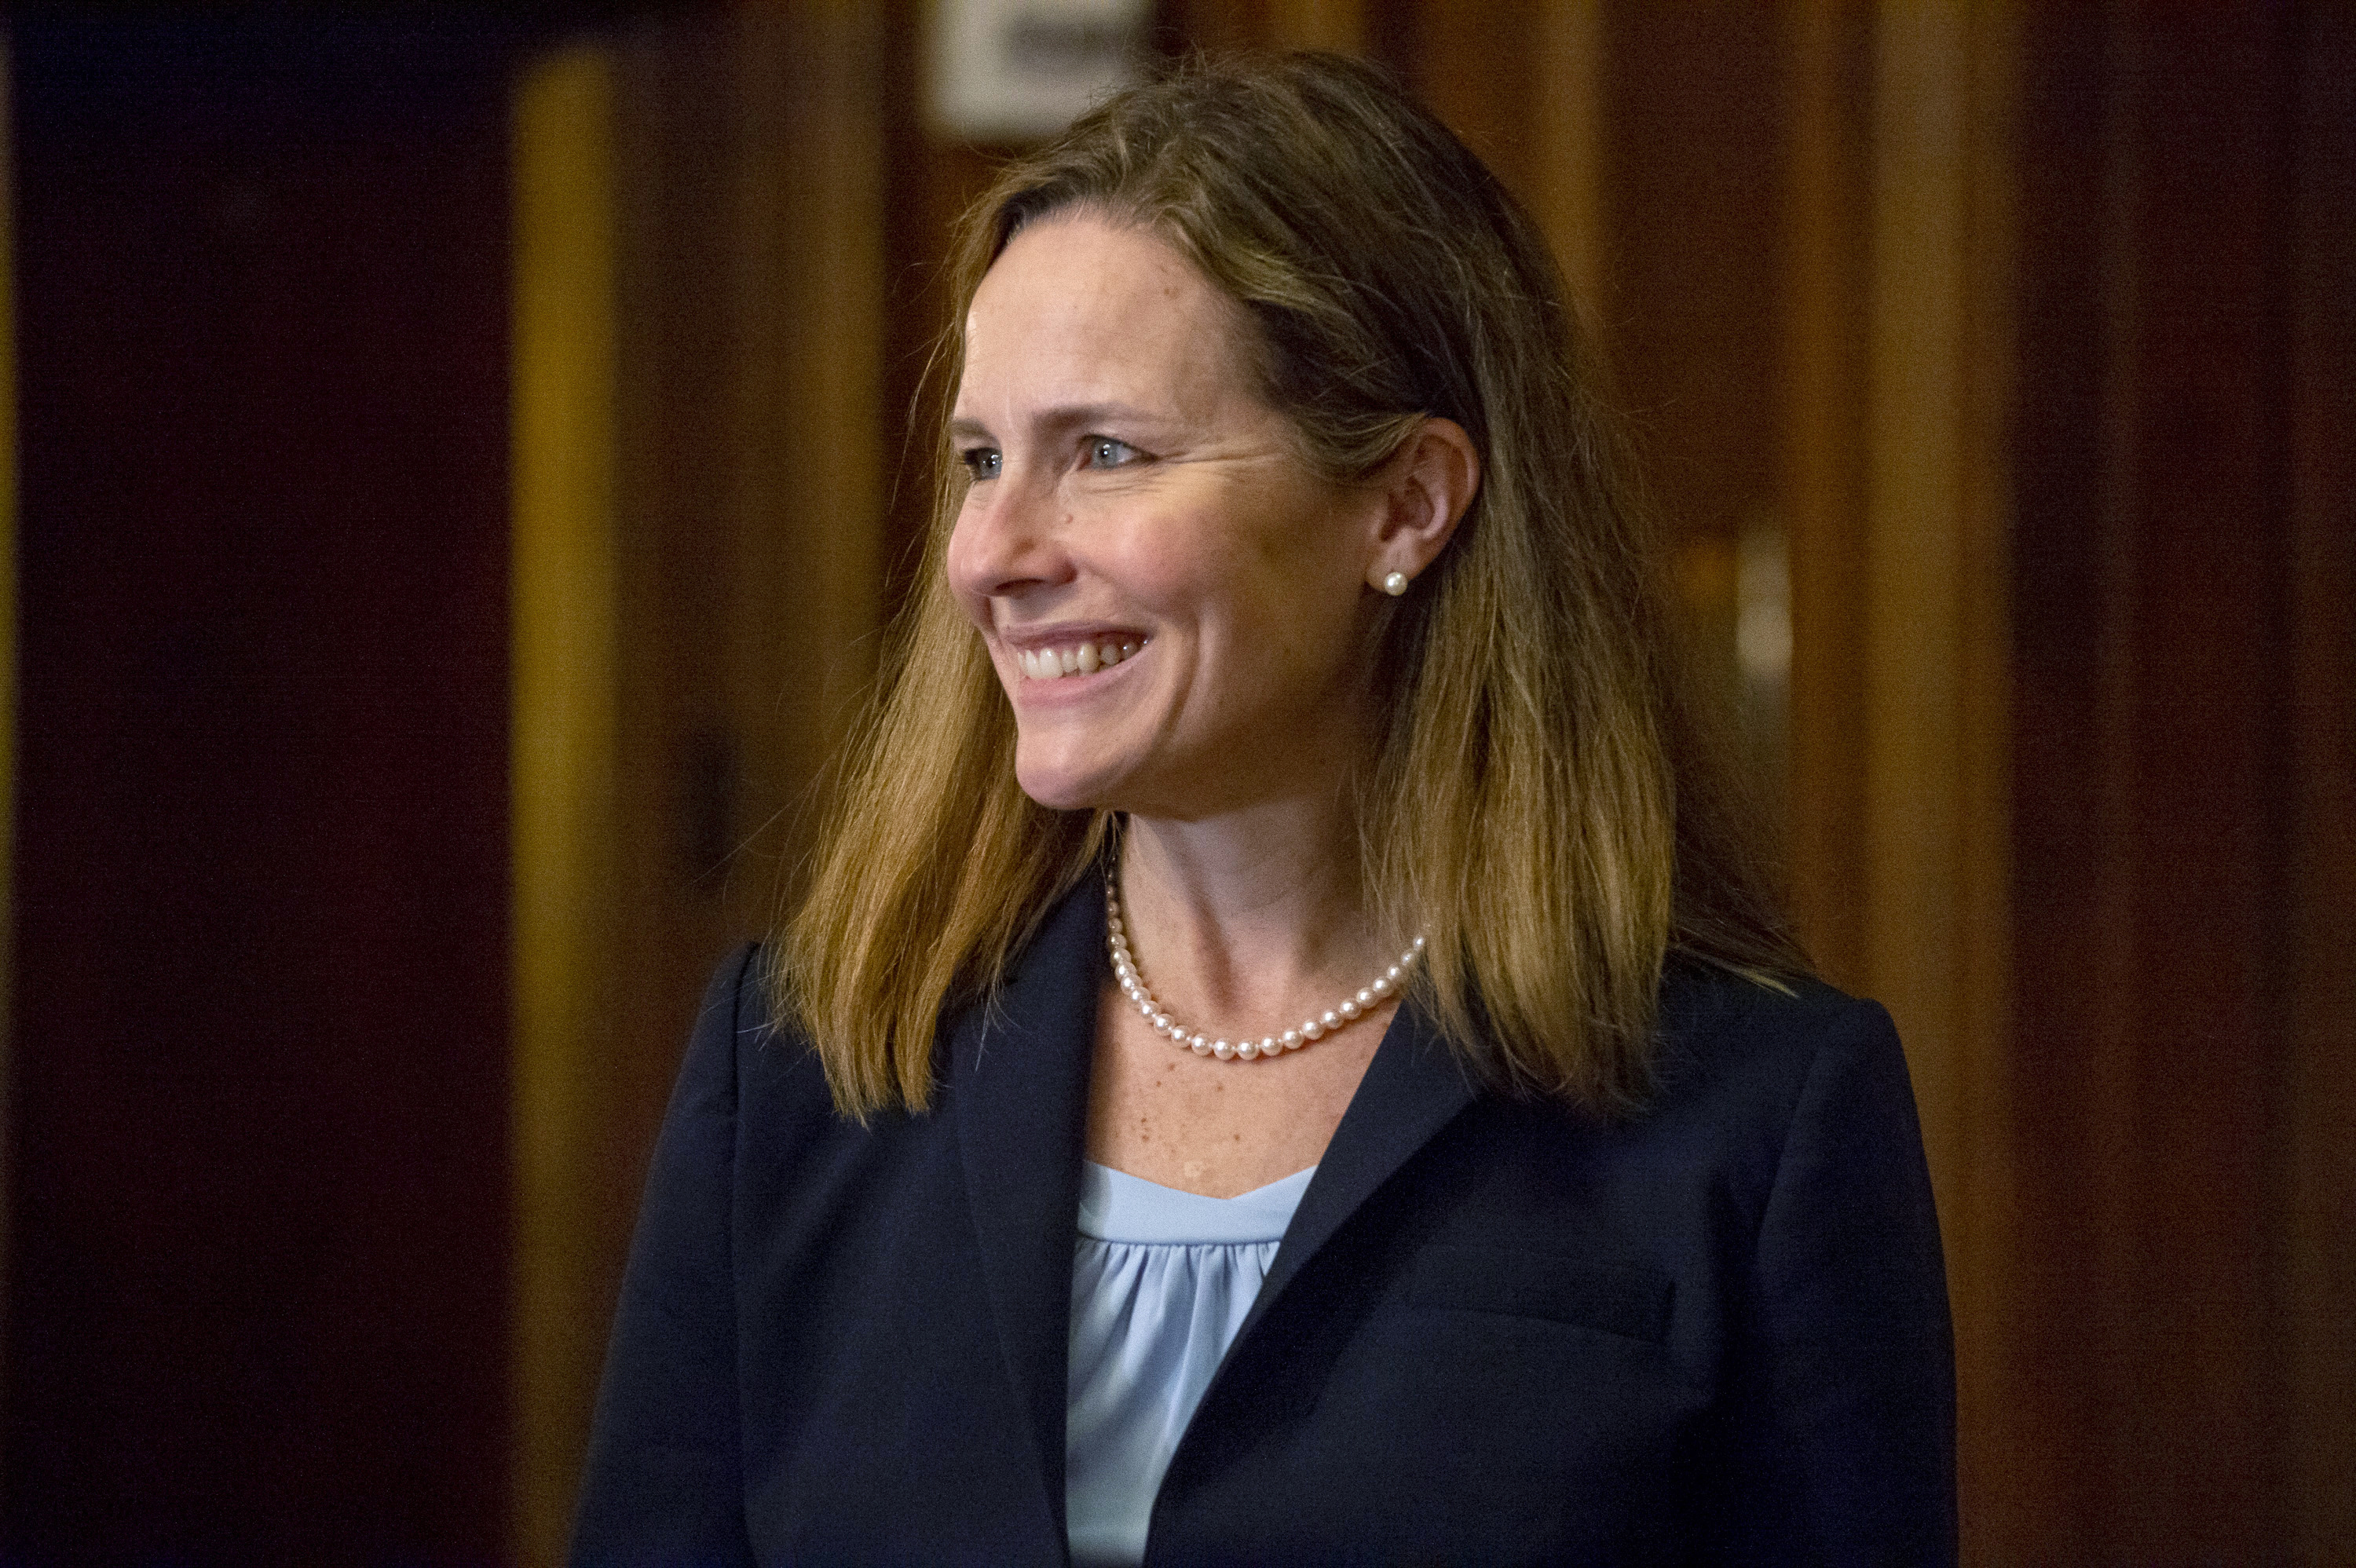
1497,1332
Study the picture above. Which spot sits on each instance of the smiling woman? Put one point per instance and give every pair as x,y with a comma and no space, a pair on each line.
1129,487
1481,1178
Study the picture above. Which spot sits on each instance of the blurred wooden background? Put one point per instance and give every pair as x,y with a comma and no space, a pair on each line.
461,469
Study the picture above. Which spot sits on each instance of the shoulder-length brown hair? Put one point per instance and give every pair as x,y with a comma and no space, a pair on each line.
1541,803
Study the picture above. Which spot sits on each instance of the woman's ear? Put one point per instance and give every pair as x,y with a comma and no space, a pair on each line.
1426,487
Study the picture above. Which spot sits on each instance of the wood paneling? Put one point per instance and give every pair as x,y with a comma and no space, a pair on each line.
1693,106
1828,202
258,1293
1898,376
1474,66
1563,164
701,478
564,734
7,687
2317,1091
1337,25
2174,1029
1935,677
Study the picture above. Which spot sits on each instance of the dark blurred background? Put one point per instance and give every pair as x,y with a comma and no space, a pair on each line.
461,461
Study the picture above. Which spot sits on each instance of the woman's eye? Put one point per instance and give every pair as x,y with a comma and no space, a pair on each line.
1106,452
982,461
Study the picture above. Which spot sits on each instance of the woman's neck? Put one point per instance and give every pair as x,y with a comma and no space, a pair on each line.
1254,916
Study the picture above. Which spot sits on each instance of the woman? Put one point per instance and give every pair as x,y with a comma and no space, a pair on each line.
1286,1056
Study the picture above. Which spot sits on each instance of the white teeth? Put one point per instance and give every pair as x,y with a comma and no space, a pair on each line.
1085,659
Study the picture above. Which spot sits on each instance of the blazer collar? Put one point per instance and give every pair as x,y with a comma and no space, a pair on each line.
1413,1086
1019,1090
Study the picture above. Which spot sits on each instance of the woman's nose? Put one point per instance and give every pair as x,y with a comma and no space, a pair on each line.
1006,540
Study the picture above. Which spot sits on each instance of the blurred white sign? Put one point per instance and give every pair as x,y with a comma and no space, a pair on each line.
1012,70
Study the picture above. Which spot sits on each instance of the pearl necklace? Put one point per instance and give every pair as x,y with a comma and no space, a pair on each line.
1133,986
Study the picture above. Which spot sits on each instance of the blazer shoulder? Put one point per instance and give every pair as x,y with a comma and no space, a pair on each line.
1724,1034
740,1036
1705,1006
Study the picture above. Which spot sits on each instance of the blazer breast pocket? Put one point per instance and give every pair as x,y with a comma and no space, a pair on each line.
1627,1299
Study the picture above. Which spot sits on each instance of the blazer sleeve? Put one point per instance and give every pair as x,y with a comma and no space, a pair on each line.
1844,1449
664,1481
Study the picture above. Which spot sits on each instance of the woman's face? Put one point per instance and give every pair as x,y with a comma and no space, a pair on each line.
1136,516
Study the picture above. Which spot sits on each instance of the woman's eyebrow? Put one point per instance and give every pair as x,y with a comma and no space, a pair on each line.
1082,414
1066,417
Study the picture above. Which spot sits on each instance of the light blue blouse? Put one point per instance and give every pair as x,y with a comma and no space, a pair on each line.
1161,1281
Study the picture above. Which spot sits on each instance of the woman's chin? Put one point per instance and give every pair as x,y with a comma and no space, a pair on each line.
1066,783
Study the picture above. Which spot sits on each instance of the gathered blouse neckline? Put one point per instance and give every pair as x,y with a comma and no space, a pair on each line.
1161,1281
1118,1207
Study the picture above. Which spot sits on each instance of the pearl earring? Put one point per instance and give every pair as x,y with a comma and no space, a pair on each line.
1395,585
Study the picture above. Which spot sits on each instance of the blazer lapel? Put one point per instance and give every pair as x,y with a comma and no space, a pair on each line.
1019,1090
1414,1087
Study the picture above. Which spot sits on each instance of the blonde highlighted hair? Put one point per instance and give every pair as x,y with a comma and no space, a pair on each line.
1543,802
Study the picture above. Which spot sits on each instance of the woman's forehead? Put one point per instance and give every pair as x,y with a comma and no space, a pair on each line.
1079,309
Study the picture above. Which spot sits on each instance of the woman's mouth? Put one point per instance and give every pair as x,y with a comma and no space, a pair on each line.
1075,658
